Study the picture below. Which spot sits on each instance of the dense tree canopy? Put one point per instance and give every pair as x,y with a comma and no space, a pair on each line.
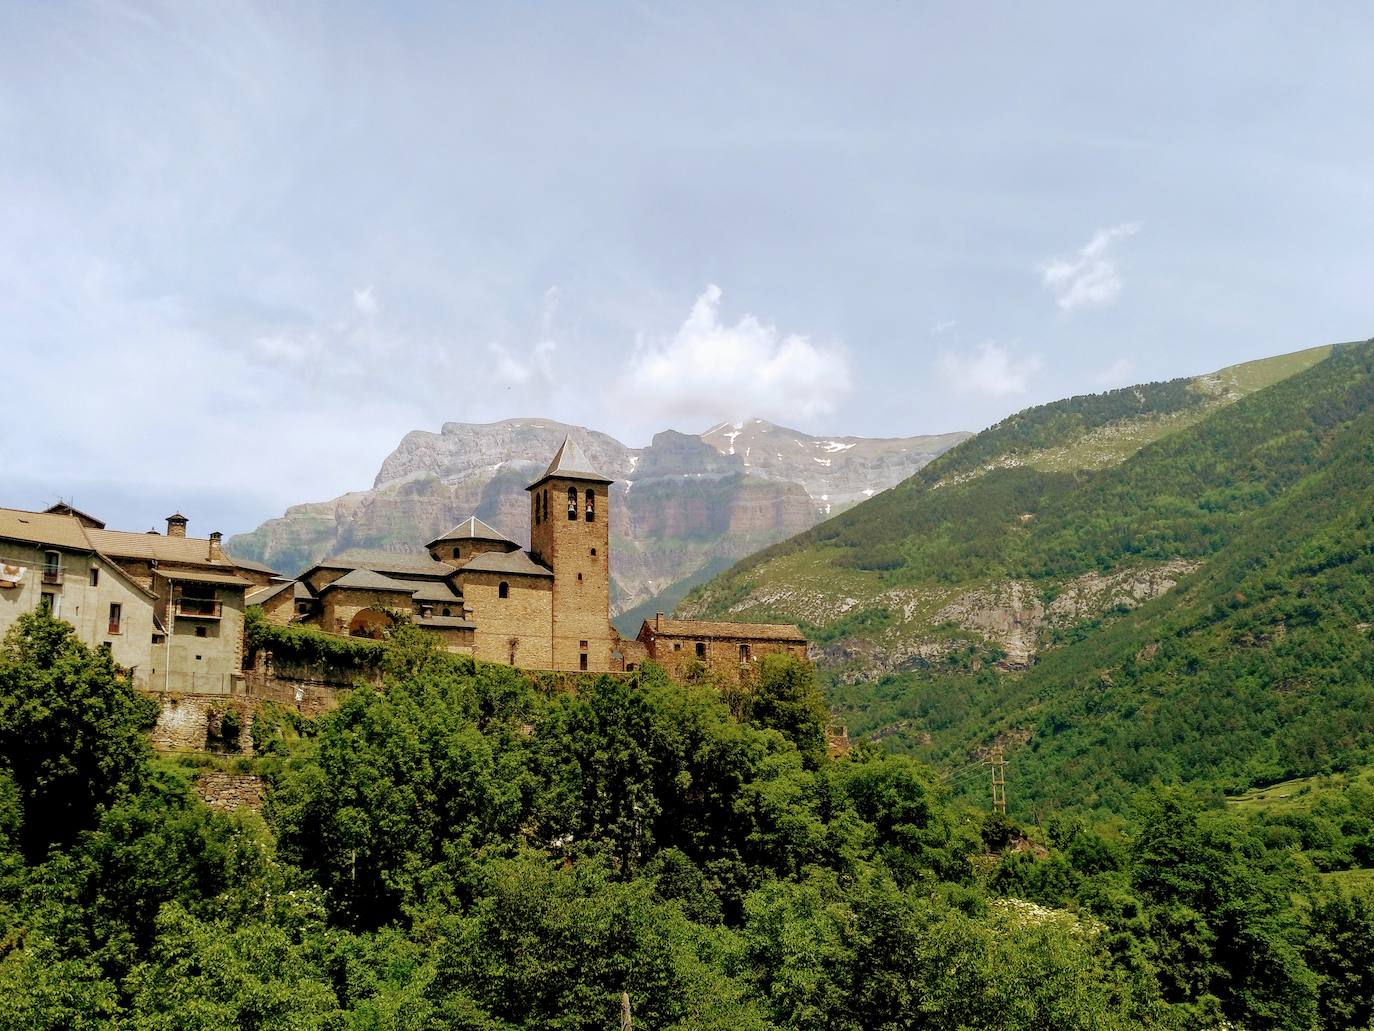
464,849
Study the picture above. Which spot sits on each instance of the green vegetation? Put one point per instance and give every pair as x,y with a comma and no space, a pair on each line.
1257,668
461,849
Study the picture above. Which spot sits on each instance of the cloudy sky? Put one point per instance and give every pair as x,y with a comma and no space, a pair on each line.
244,248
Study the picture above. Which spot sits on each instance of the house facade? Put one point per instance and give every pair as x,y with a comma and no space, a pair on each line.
168,606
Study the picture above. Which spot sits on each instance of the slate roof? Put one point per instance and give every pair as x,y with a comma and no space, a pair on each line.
58,531
204,576
516,563
265,594
190,551
472,529
445,622
367,580
570,463
429,590
718,629
399,562
62,508
301,591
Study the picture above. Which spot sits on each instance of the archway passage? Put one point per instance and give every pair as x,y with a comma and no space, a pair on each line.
369,623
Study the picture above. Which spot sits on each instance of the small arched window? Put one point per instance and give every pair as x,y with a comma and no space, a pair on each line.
591,505
536,510
457,552
572,502
546,502
446,611
503,590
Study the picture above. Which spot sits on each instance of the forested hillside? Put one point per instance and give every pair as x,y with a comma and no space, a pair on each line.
1198,612
462,849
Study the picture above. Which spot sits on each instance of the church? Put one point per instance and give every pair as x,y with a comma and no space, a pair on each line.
547,607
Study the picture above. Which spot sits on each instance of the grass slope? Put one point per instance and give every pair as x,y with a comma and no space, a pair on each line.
1256,668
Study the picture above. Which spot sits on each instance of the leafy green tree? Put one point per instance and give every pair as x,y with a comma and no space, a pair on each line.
787,698
71,729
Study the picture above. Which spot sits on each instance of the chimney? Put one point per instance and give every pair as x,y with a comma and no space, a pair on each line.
216,551
176,525
658,620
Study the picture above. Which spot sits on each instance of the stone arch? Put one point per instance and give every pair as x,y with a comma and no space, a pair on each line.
369,623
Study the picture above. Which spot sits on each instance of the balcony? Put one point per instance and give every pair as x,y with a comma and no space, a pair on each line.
198,608
52,576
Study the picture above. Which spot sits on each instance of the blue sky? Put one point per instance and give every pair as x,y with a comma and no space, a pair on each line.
244,248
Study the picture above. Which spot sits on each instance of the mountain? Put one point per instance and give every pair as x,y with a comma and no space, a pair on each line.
1173,581
684,507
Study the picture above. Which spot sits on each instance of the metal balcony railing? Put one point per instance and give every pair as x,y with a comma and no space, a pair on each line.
198,608
52,576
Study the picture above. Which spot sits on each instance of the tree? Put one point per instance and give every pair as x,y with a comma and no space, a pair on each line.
788,699
71,729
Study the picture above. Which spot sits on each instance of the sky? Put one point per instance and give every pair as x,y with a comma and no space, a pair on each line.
245,248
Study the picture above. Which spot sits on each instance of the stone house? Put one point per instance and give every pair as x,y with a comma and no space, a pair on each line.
169,607
678,644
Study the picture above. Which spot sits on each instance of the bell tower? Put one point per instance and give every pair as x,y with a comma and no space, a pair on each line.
570,534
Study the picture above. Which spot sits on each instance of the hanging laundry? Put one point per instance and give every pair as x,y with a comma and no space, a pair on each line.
11,576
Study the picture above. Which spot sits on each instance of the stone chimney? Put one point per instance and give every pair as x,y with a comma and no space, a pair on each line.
176,525
216,550
658,621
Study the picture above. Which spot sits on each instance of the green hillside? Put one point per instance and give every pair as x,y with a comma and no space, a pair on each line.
1196,611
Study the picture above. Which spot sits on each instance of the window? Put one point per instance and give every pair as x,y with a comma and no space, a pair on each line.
591,505
579,577
582,661
701,649
52,567
503,590
95,576
572,503
744,653
593,553
546,502
201,632
446,612
582,645
116,613
677,646
457,552
47,602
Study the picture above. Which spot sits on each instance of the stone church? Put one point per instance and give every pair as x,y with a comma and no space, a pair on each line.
547,607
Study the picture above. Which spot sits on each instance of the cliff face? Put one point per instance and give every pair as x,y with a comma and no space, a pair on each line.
680,504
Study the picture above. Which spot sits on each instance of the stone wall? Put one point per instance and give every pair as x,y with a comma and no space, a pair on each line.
524,617
231,791
195,723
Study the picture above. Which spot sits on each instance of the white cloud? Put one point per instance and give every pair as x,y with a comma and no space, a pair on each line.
992,370
710,371
942,327
1091,278
365,300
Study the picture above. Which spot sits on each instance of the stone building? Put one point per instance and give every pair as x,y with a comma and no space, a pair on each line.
679,644
169,607
547,607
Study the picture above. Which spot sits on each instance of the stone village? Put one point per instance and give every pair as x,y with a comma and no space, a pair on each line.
171,607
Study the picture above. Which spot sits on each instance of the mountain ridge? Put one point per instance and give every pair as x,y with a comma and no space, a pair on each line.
1064,608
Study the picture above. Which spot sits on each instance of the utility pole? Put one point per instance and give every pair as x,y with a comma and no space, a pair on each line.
625,1012
998,763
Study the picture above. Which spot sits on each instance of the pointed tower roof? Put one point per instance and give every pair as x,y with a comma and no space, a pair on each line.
570,463
472,529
